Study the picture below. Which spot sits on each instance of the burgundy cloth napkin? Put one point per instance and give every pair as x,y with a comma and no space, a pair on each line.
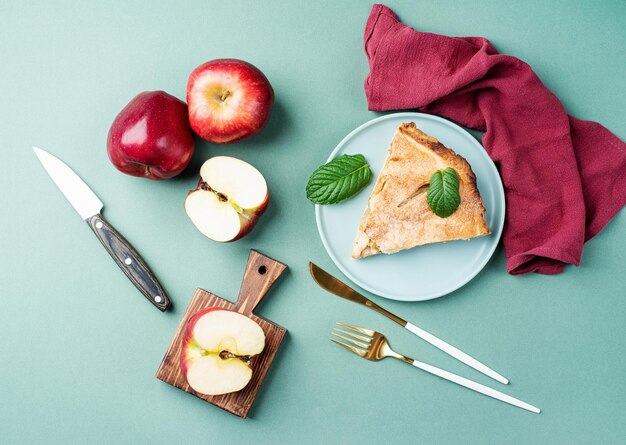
564,178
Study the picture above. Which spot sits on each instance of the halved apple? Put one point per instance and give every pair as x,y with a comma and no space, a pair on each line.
218,346
230,197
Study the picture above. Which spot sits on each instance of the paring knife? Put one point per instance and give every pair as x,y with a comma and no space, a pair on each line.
88,206
337,287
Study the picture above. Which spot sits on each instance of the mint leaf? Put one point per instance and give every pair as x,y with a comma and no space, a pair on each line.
443,192
340,179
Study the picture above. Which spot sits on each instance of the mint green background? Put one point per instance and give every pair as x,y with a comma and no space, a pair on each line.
79,346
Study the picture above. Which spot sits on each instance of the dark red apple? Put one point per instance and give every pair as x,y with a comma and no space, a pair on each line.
151,136
229,100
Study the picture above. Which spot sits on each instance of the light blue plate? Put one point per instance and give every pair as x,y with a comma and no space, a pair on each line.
424,272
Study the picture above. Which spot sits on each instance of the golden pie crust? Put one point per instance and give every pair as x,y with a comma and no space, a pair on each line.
398,216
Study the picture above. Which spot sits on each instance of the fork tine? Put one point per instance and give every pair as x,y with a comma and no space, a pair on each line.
356,328
352,334
351,340
357,351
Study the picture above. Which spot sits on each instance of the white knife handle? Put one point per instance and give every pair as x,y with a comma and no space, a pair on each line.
475,386
456,353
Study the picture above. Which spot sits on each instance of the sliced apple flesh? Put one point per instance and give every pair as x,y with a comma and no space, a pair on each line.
229,199
218,347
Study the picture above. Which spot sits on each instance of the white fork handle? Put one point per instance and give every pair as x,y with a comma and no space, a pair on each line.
475,386
456,353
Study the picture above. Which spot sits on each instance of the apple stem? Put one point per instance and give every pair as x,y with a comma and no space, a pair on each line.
225,95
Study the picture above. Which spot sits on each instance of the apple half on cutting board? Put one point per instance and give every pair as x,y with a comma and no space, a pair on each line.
218,348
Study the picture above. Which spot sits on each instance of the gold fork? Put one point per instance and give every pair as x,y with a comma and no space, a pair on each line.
374,346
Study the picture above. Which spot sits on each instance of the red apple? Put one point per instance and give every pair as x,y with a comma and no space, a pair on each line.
230,198
151,137
229,100
218,346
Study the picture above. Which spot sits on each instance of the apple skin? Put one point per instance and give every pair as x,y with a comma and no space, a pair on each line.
229,100
188,336
247,226
248,222
151,137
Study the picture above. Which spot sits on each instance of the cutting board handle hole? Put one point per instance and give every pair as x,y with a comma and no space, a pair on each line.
262,270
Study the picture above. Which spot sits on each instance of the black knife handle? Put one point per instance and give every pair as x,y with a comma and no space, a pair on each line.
129,261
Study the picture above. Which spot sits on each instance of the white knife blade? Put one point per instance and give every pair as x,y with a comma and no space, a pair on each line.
82,198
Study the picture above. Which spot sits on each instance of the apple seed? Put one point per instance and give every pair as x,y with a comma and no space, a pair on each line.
226,355
222,197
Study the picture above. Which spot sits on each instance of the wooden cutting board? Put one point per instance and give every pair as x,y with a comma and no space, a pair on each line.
261,273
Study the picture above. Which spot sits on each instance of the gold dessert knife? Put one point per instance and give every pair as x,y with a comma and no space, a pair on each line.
333,285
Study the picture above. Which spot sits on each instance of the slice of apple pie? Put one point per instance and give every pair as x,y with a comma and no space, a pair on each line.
398,215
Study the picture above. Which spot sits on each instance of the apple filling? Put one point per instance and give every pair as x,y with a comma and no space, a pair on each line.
218,347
